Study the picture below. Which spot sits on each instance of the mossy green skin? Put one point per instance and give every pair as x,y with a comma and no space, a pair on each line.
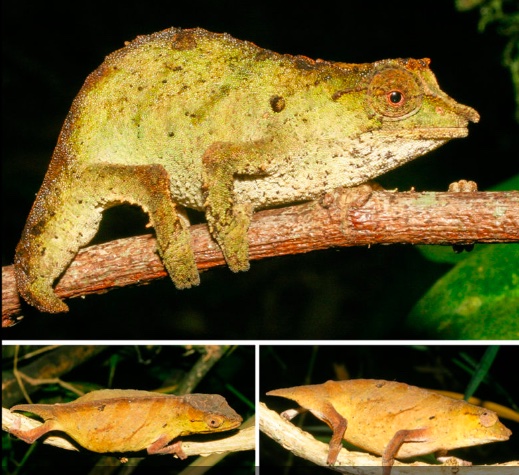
128,420
189,118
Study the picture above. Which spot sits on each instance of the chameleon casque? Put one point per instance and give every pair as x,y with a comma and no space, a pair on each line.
192,119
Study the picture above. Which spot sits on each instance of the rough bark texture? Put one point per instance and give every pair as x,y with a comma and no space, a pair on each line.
355,217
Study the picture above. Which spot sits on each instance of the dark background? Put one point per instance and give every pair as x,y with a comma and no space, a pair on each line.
50,47
430,367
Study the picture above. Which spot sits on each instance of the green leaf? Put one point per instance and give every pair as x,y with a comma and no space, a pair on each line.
445,254
481,371
477,299
511,184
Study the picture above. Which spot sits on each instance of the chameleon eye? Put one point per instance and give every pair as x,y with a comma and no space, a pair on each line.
395,98
213,421
395,93
488,418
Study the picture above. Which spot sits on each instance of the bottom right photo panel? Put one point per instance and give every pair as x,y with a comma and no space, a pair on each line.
387,409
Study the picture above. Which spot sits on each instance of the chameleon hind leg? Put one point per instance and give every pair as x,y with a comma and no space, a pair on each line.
61,223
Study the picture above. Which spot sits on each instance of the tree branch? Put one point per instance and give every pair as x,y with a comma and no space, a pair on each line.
303,445
354,217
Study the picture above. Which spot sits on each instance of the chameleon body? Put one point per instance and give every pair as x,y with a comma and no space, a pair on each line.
394,420
127,420
192,119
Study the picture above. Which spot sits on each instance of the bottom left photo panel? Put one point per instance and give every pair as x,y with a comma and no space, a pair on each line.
128,408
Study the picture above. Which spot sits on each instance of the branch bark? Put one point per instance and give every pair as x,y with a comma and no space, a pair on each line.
354,217
303,445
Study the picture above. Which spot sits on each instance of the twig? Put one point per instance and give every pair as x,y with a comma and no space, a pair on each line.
341,219
10,419
211,355
46,368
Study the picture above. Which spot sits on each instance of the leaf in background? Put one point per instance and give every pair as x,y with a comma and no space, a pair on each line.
508,185
477,299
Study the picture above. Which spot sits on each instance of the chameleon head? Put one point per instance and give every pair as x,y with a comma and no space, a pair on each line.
404,94
399,113
490,427
209,413
471,426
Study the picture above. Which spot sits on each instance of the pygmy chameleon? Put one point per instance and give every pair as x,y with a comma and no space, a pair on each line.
394,420
192,119
127,420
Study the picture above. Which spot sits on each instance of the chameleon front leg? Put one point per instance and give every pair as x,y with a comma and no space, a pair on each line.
393,446
59,226
228,218
160,446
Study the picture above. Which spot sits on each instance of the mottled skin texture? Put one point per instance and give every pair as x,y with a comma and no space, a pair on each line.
127,420
393,419
189,118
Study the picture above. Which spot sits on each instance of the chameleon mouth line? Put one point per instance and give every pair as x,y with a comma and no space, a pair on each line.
444,133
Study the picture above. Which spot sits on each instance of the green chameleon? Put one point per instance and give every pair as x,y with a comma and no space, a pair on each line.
192,119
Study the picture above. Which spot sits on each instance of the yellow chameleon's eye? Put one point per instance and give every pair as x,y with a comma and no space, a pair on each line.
214,421
395,93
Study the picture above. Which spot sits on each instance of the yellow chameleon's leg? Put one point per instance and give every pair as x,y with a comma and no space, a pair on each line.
393,446
61,223
162,446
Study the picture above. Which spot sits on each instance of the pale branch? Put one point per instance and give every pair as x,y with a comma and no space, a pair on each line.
303,445
243,439
19,421
355,217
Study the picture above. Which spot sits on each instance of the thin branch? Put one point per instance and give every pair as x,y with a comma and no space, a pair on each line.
211,355
47,367
19,421
305,446
355,217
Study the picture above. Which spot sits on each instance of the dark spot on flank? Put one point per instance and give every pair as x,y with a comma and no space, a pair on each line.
277,103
